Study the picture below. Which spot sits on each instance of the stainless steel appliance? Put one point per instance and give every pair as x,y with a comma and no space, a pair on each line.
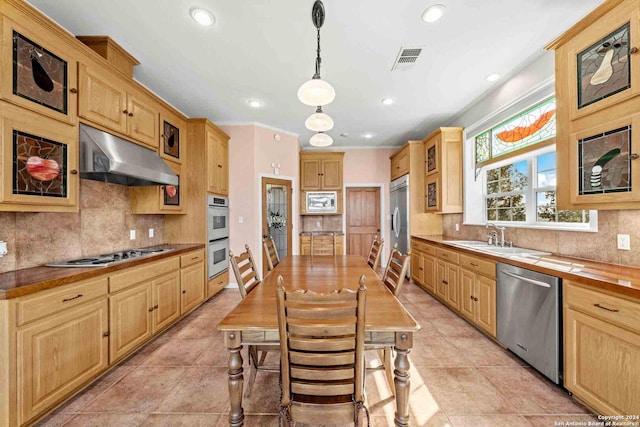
399,202
109,259
217,235
322,202
529,318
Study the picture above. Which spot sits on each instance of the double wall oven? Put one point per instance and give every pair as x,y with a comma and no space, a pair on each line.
217,235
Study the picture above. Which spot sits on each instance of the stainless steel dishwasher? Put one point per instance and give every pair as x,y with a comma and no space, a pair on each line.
529,318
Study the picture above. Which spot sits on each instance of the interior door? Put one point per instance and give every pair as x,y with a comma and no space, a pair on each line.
363,219
276,217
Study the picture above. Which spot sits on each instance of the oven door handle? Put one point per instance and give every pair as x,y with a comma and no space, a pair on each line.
527,280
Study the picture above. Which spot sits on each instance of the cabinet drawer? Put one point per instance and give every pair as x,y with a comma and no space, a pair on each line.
135,275
54,300
447,255
616,310
416,246
477,265
217,283
428,249
191,258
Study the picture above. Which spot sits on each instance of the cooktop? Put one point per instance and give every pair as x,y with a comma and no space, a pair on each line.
109,259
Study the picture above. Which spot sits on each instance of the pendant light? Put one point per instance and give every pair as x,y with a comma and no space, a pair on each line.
317,92
321,139
319,121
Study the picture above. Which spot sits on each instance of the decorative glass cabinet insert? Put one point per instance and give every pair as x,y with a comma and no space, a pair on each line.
39,166
604,162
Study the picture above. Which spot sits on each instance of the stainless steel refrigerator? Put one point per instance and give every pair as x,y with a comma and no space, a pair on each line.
399,202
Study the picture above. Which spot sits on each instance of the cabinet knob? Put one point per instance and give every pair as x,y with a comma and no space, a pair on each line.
155,307
125,111
473,264
184,292
475,298
445,282
106,334
73,90
74,172
130,114
633,156
219,166
633,50
150,309
613,310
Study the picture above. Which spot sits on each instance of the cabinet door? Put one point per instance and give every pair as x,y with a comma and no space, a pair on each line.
192,285
485,293
173,135
441,279
602,364
172,196
310,170
222,166
432,155
166,300
58,354
142,123
130,319
429,272
467,290
432,193
332,174
38,72
417,267
214,164
38,162
403,162
102,98
395,169
453,291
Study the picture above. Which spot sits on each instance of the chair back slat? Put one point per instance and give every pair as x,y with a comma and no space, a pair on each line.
315,389
321,344
324,329
322,373
271,252
316,359
244,268
394,274
375,252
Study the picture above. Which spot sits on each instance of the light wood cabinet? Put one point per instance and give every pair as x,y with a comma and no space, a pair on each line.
602,349
192,287
142,123
130,320
323,241
38,162
400,163
166,300
58,354
443,168
218,163
163,199
478,300
447,283
321,171
173,136
423,265
429,272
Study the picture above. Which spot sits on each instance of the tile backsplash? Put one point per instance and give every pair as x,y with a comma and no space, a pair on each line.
101,226
600,246
321,222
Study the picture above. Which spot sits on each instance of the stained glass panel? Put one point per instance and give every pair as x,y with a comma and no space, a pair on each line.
431,159
604,68
172,194
432,195
605,162
39,166
529,127
171,138
483,147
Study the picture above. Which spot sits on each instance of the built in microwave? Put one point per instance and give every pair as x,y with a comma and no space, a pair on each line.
322,202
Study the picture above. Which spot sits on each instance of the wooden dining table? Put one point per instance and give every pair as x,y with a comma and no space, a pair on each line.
254,320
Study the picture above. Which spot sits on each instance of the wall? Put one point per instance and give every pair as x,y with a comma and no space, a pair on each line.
600,246
101,226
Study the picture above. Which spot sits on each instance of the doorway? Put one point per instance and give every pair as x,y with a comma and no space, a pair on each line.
277,215
363,219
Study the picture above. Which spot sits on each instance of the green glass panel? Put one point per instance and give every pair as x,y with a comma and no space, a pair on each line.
483,147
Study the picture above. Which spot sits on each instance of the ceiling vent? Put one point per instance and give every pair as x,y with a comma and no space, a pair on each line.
406,58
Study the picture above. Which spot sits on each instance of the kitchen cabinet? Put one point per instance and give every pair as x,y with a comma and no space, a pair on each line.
39,70
400,163
218,163
109,101
166,300
38,162
321,171
323,242
130,319
478,292
161,199
192,287
443,168
423,265
602,349
447,286
173,136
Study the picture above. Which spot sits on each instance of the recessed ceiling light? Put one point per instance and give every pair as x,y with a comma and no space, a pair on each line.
433,13
203,17
387,101
368,135
492,77
254,103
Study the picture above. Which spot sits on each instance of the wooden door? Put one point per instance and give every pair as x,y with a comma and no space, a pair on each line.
212,163
130,319
600,361
58,354
143,119
467,291
441,279
310,170
102,98
267,184
192,285
332,174
173,136
166,300
417,267
363,219
485,292
222,166
429,272
453,292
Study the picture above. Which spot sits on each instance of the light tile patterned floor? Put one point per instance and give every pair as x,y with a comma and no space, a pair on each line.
458,378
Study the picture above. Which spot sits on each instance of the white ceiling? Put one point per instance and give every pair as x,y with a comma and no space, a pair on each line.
265,49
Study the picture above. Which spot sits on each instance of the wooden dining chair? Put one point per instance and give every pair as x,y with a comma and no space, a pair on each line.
375,252
248,278
322,355
323,244
271,252
393,279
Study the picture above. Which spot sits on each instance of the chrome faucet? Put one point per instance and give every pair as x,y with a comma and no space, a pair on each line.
493,236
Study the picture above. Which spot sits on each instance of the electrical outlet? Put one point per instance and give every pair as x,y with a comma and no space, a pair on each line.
624,242
151,232
132,234
317,223
240,220
457,227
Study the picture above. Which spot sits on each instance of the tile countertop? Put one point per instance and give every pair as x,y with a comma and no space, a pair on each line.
618,279
322,233
17,283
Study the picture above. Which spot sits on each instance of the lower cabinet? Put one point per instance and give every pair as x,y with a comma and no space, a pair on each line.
166,300
429,272
58,354
478,300
447,283
131,321
324,241
192,287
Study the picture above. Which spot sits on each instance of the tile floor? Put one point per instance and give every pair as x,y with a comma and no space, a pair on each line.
458,378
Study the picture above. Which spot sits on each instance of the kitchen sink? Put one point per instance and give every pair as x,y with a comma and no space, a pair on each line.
480,246
466,242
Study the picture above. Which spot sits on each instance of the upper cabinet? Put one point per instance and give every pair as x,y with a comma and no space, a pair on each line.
217,162
173,134
597,83
400,163
164,199
321,171
39,71
443,168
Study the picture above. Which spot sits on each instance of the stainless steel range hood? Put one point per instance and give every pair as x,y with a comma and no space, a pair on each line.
107,158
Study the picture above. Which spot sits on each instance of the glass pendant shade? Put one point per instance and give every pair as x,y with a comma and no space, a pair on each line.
319,122
321,139
316,92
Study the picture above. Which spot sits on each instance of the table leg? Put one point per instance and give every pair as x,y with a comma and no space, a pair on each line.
236,378
404,342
